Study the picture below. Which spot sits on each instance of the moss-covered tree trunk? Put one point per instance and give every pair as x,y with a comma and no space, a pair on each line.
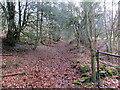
11,34
92,52
90,33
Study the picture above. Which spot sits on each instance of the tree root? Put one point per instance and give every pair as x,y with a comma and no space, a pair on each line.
23,73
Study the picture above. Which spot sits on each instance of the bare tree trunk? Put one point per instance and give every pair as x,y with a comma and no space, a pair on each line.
19,23
114,33
110,36
41,24
89,17
119,27
111,31
13,34
39,30
37,33
92,41
92,51
107,34
11,24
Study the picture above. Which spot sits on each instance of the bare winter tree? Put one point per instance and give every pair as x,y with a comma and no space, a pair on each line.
119,27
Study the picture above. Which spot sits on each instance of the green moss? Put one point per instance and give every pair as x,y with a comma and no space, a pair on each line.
74,61
116,65
84,68
111,71
84,75
2,84
84,79
102,66
112,88
77,83
107,73
88,84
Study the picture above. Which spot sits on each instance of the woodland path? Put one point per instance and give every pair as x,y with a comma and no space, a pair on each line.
47,66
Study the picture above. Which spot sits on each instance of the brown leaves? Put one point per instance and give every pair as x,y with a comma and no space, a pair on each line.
47,67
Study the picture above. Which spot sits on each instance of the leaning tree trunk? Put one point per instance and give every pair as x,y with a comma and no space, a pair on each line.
77,34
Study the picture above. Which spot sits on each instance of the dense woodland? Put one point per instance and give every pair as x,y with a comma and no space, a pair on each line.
53,44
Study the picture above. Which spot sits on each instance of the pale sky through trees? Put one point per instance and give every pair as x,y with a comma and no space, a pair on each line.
108,3
89,0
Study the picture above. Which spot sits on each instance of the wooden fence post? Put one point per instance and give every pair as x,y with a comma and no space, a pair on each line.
98,67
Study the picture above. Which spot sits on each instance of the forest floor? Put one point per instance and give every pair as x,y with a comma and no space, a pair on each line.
46,67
